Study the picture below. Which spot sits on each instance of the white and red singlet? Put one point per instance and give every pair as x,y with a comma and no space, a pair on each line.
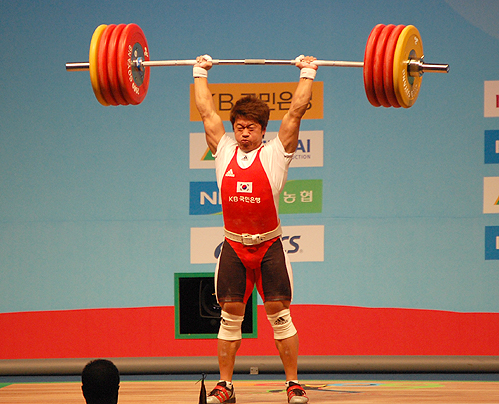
250,185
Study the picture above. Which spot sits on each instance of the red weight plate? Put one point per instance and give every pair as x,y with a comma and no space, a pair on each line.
379,56
102,65
112,65
388,65
133,82
368,64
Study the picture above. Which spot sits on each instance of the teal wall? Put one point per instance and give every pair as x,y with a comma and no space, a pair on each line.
94,201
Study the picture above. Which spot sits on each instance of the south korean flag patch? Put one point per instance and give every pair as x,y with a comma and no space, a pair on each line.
245,187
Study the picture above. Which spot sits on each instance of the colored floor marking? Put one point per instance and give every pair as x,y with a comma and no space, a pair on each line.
350,387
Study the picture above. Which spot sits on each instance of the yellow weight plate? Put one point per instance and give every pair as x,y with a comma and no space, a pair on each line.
409,46
94,65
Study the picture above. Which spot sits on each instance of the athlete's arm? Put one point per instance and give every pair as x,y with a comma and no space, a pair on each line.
213,124
290,126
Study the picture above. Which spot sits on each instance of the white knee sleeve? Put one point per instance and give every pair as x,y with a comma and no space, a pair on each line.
230,327
282,324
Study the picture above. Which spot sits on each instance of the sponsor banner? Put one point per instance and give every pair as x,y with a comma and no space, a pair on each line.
492,243
205,244
204,198
298,196
200,156
491,147
491,99
276,95
301,196
309,153
491,195
310,150
302,243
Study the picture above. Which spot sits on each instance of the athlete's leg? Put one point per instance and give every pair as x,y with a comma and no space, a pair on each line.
230,286
227,349
287,346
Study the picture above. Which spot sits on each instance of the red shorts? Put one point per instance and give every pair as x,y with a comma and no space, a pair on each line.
242,267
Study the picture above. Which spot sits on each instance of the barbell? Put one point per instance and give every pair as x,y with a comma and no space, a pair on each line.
393,65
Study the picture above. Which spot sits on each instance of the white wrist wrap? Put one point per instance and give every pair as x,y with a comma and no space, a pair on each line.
308,73
199,72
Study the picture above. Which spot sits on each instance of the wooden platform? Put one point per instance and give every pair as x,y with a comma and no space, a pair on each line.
264,392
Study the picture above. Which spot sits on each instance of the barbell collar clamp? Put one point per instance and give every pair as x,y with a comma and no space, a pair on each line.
416,67
77,66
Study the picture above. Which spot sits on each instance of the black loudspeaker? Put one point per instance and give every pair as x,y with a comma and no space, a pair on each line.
197,313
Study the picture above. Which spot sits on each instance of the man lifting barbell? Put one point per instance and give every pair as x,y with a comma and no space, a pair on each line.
249,172
251,175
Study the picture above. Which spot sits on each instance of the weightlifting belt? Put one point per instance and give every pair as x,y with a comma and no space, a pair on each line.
253,239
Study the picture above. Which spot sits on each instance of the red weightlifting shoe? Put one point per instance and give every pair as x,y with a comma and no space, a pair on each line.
296,394
221,394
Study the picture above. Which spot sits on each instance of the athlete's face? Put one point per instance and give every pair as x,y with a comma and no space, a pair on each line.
249,134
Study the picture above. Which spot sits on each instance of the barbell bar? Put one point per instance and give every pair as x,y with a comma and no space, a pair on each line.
139,63
393,65
415,66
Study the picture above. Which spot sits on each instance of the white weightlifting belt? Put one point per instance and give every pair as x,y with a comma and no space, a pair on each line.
253,239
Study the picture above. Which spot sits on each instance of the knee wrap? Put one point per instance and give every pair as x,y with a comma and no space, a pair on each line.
282,324
230,327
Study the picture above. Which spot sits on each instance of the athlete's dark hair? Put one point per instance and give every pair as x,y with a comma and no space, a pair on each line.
251,108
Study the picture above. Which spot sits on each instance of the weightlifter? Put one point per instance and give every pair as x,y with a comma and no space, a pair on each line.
251,175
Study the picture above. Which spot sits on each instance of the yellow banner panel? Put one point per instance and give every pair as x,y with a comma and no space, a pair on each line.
276,95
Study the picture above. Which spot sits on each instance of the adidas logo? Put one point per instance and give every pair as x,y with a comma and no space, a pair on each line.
280,321
229,173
